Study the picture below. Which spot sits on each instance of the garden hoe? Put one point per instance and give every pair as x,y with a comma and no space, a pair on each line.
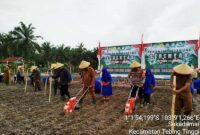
73,102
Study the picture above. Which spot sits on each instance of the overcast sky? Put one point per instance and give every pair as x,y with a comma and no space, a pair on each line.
113,22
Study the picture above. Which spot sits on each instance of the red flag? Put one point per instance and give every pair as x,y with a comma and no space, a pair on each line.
99,50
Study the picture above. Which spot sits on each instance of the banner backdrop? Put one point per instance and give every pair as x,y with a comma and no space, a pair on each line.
117,59
160,57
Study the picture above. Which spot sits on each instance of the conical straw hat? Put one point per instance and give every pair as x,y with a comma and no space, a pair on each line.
135,64
183,69
84,64
58,65
20,67
33,68
53,65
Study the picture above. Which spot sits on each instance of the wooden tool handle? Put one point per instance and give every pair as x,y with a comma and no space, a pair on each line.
173,104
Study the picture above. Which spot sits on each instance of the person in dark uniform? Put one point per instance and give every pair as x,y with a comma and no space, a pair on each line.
20,75
55,78
64,78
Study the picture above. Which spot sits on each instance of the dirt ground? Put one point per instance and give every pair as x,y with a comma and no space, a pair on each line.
31,113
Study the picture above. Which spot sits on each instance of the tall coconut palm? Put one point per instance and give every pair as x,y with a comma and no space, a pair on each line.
6,45
61,55
46,51
1,45
25,40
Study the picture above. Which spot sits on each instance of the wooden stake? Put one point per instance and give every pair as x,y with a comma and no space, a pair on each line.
26,81
9,75
50,78
173,104
45,86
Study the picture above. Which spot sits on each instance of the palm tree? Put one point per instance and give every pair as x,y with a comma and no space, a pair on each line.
6,45
46,51
61,55
25,40
1,45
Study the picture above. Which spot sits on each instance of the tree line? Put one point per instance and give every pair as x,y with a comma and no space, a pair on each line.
22,42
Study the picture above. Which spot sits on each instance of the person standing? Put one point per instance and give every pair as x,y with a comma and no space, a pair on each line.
6,75
20,75
64,78
137,78
183,99
36,78
106,80
88,80
149,84
55,80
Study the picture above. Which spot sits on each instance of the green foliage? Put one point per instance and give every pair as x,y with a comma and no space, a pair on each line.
22,42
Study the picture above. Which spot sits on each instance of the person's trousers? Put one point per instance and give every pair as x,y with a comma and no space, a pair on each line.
37,85
183,100
198,91
6,80
147,98
64,91
55,86
140,92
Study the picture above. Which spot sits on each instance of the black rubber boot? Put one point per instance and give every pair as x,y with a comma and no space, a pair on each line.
62,98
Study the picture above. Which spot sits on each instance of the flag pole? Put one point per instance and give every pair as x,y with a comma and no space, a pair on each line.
198,46
99,57
143,54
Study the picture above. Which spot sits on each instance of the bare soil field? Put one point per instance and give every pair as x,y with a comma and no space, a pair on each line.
31,114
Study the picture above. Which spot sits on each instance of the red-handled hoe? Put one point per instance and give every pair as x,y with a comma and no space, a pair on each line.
73,102
130,104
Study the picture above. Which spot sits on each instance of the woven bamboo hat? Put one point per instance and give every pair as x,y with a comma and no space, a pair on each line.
84,64
59,65
135,64
53,65
33,68
183,69
20,67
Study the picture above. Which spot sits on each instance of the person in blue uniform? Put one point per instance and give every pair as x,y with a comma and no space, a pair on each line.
196,84
97,86
149,84
106,80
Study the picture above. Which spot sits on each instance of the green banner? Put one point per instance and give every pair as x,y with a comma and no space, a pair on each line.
117,59
162,57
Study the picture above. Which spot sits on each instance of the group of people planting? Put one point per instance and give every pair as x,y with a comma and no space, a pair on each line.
142,82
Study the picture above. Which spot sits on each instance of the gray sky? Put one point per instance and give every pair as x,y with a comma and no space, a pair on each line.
113,22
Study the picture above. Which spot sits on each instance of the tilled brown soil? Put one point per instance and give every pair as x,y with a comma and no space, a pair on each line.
31,113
